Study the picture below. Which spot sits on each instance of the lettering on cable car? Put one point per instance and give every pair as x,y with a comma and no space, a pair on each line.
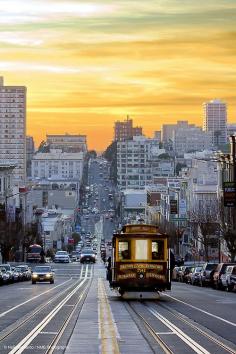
141,266
156,276
127,276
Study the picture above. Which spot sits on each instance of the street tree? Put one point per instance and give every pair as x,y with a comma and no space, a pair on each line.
204,222
227,217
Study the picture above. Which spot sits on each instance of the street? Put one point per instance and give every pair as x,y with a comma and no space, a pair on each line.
81,314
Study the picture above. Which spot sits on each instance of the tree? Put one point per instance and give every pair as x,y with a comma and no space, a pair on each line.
44,147
92,154
228,228
111,155
204,220
76,237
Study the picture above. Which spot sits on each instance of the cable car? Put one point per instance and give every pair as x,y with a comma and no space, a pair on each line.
140,265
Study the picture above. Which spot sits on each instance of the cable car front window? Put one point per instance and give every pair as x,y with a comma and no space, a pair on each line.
141,250
158,250
124,250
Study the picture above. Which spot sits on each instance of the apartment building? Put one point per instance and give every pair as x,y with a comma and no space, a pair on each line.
134,162
56,165
125,130
215,121
189,139
13,129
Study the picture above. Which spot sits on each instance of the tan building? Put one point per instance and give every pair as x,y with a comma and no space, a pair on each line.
13,129
68,142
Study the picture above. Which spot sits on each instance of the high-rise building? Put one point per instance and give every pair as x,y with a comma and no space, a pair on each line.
215,121
125,130
13,129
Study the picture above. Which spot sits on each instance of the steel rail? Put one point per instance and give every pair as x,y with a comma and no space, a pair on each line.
197,329
8,331
152,331
23,344
81,299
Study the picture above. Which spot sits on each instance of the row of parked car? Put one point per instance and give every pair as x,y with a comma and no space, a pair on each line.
11,274
219,276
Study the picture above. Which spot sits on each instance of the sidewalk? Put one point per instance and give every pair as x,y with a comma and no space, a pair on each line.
104,325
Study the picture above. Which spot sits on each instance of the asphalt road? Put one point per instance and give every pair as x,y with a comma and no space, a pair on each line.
24,307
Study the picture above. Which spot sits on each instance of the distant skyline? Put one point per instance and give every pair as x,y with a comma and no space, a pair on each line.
87,64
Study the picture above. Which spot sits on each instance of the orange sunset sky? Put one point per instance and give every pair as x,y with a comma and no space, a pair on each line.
87,64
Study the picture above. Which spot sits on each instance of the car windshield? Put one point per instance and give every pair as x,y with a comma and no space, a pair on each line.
6,266
61,253
198,269
42,269
88,252
3,268
211,266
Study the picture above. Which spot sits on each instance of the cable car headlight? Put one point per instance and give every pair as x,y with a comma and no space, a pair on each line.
141,276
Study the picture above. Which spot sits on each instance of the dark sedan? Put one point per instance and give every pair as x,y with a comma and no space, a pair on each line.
88,256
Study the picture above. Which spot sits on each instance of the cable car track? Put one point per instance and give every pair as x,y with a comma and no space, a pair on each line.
197,329
176,330
67,300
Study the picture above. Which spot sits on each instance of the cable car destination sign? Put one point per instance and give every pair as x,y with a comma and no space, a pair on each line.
229,190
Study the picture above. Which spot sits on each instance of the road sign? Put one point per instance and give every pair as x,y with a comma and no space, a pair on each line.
229,192
173,206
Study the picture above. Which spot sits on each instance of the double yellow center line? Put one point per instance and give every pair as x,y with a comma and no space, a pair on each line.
107,328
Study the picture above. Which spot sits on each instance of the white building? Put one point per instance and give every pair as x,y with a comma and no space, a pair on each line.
215,121
134,162
57,165
133,204
13,129
56,228
190,138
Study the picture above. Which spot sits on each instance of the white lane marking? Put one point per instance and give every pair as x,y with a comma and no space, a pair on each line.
54,333
23,344
32,298
81,272
197,348
86,271
203,311
160,333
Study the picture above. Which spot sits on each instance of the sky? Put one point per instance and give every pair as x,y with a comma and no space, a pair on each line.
87,64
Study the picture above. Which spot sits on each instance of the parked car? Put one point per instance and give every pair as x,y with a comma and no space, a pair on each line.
206,275
183,274
194,275
62,257
25,270
17,275
9,271
4,276
228,279
220,269
42,274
